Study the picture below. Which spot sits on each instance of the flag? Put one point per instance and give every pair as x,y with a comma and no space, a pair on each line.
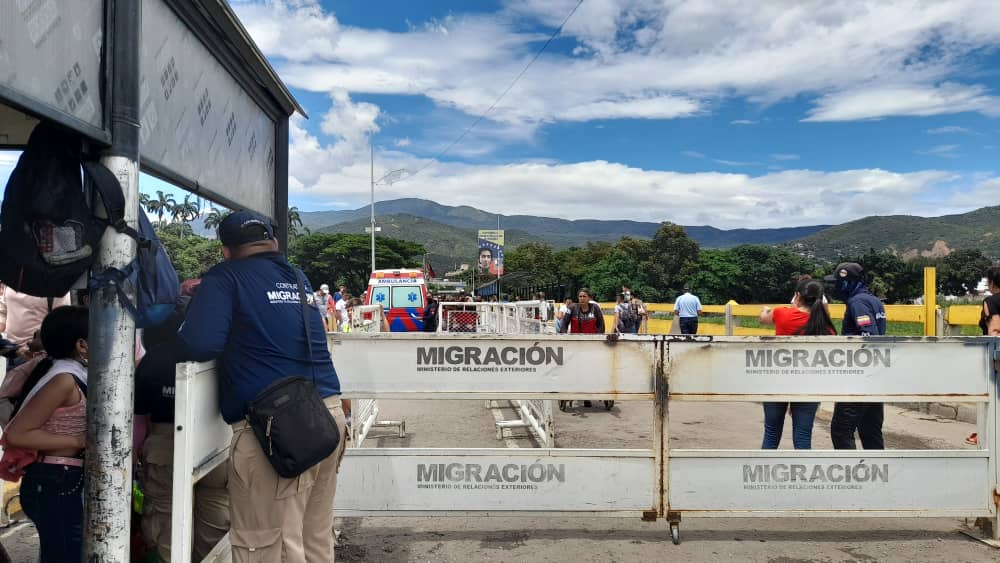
429,270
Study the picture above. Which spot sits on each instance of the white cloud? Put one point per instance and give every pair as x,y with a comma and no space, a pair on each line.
634,59
734,163
651,59
948,129
725,200
659,107
883,101
941,150
784,156
296,30
348,120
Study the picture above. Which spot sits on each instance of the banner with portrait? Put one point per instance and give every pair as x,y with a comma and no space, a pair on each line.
490,257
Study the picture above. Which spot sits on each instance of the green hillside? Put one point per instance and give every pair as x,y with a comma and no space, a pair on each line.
448,246
561,233
907,236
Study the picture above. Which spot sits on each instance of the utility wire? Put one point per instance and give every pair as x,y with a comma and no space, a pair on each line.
501,96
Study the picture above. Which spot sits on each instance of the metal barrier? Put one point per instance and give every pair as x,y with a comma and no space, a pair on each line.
201,443
838,483
520,317
650,483
665,483
368,319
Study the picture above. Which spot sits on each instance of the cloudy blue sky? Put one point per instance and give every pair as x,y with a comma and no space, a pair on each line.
732,113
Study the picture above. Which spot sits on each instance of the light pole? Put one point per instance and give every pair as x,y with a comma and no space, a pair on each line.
388,178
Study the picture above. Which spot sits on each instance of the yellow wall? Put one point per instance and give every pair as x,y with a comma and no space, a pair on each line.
954,315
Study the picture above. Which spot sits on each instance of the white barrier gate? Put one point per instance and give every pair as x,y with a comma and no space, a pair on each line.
651,483
368,319
201,443
520,317
838,483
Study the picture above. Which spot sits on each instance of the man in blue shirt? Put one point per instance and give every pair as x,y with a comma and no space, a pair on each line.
687,307
247,314
864,316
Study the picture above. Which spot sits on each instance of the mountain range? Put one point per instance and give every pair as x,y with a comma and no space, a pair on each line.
449,232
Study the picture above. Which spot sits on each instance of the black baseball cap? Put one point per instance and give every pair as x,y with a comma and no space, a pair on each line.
851,270
245,227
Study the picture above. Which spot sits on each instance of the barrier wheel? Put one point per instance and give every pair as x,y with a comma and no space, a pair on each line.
608,405
675,534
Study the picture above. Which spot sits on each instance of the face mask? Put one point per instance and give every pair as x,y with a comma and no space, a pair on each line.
843,287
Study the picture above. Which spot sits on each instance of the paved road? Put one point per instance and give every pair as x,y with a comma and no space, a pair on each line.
629,425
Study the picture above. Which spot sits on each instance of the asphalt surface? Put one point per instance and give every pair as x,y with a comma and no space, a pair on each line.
629,425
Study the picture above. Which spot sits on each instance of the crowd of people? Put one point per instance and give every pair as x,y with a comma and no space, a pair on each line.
260,337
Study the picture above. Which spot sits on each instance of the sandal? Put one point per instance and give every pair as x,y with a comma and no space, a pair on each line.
973,439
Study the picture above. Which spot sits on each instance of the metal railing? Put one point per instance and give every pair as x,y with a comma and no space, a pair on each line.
659,482
368,319
520,317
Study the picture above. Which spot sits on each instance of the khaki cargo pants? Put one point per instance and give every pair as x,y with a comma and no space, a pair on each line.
276,519
211,500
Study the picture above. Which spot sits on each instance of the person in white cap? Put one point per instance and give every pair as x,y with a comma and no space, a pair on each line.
323,303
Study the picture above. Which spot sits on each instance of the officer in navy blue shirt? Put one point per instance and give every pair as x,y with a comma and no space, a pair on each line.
247,314
864,316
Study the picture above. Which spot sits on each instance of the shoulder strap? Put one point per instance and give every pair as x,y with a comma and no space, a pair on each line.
305,320
81,385
110,190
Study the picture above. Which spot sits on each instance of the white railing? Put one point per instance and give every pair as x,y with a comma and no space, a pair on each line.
521,317
365,412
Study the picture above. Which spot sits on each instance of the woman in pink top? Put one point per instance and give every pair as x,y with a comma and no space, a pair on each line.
807,316
51,417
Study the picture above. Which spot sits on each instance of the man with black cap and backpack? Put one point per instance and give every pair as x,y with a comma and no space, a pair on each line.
255,313
864,316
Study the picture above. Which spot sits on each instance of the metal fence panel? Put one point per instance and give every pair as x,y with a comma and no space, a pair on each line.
201,443
367,319
729,482
856,369
393,482
493,366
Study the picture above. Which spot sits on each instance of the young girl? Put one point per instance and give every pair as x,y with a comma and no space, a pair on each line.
51,417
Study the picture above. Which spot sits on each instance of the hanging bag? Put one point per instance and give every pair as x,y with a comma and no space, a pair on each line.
293,425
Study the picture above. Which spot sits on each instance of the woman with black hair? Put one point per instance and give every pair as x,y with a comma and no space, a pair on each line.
584,317
51,417
807,316
989,321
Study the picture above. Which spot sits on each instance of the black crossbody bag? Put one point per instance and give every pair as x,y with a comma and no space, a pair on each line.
293,426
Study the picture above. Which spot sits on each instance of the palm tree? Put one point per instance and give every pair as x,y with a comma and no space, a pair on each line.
294,218
164,203
214,219
188,210
143,200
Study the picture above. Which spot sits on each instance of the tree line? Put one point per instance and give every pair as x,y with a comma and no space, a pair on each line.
656,269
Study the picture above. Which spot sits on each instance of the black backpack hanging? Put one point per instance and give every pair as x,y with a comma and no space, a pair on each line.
49,236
